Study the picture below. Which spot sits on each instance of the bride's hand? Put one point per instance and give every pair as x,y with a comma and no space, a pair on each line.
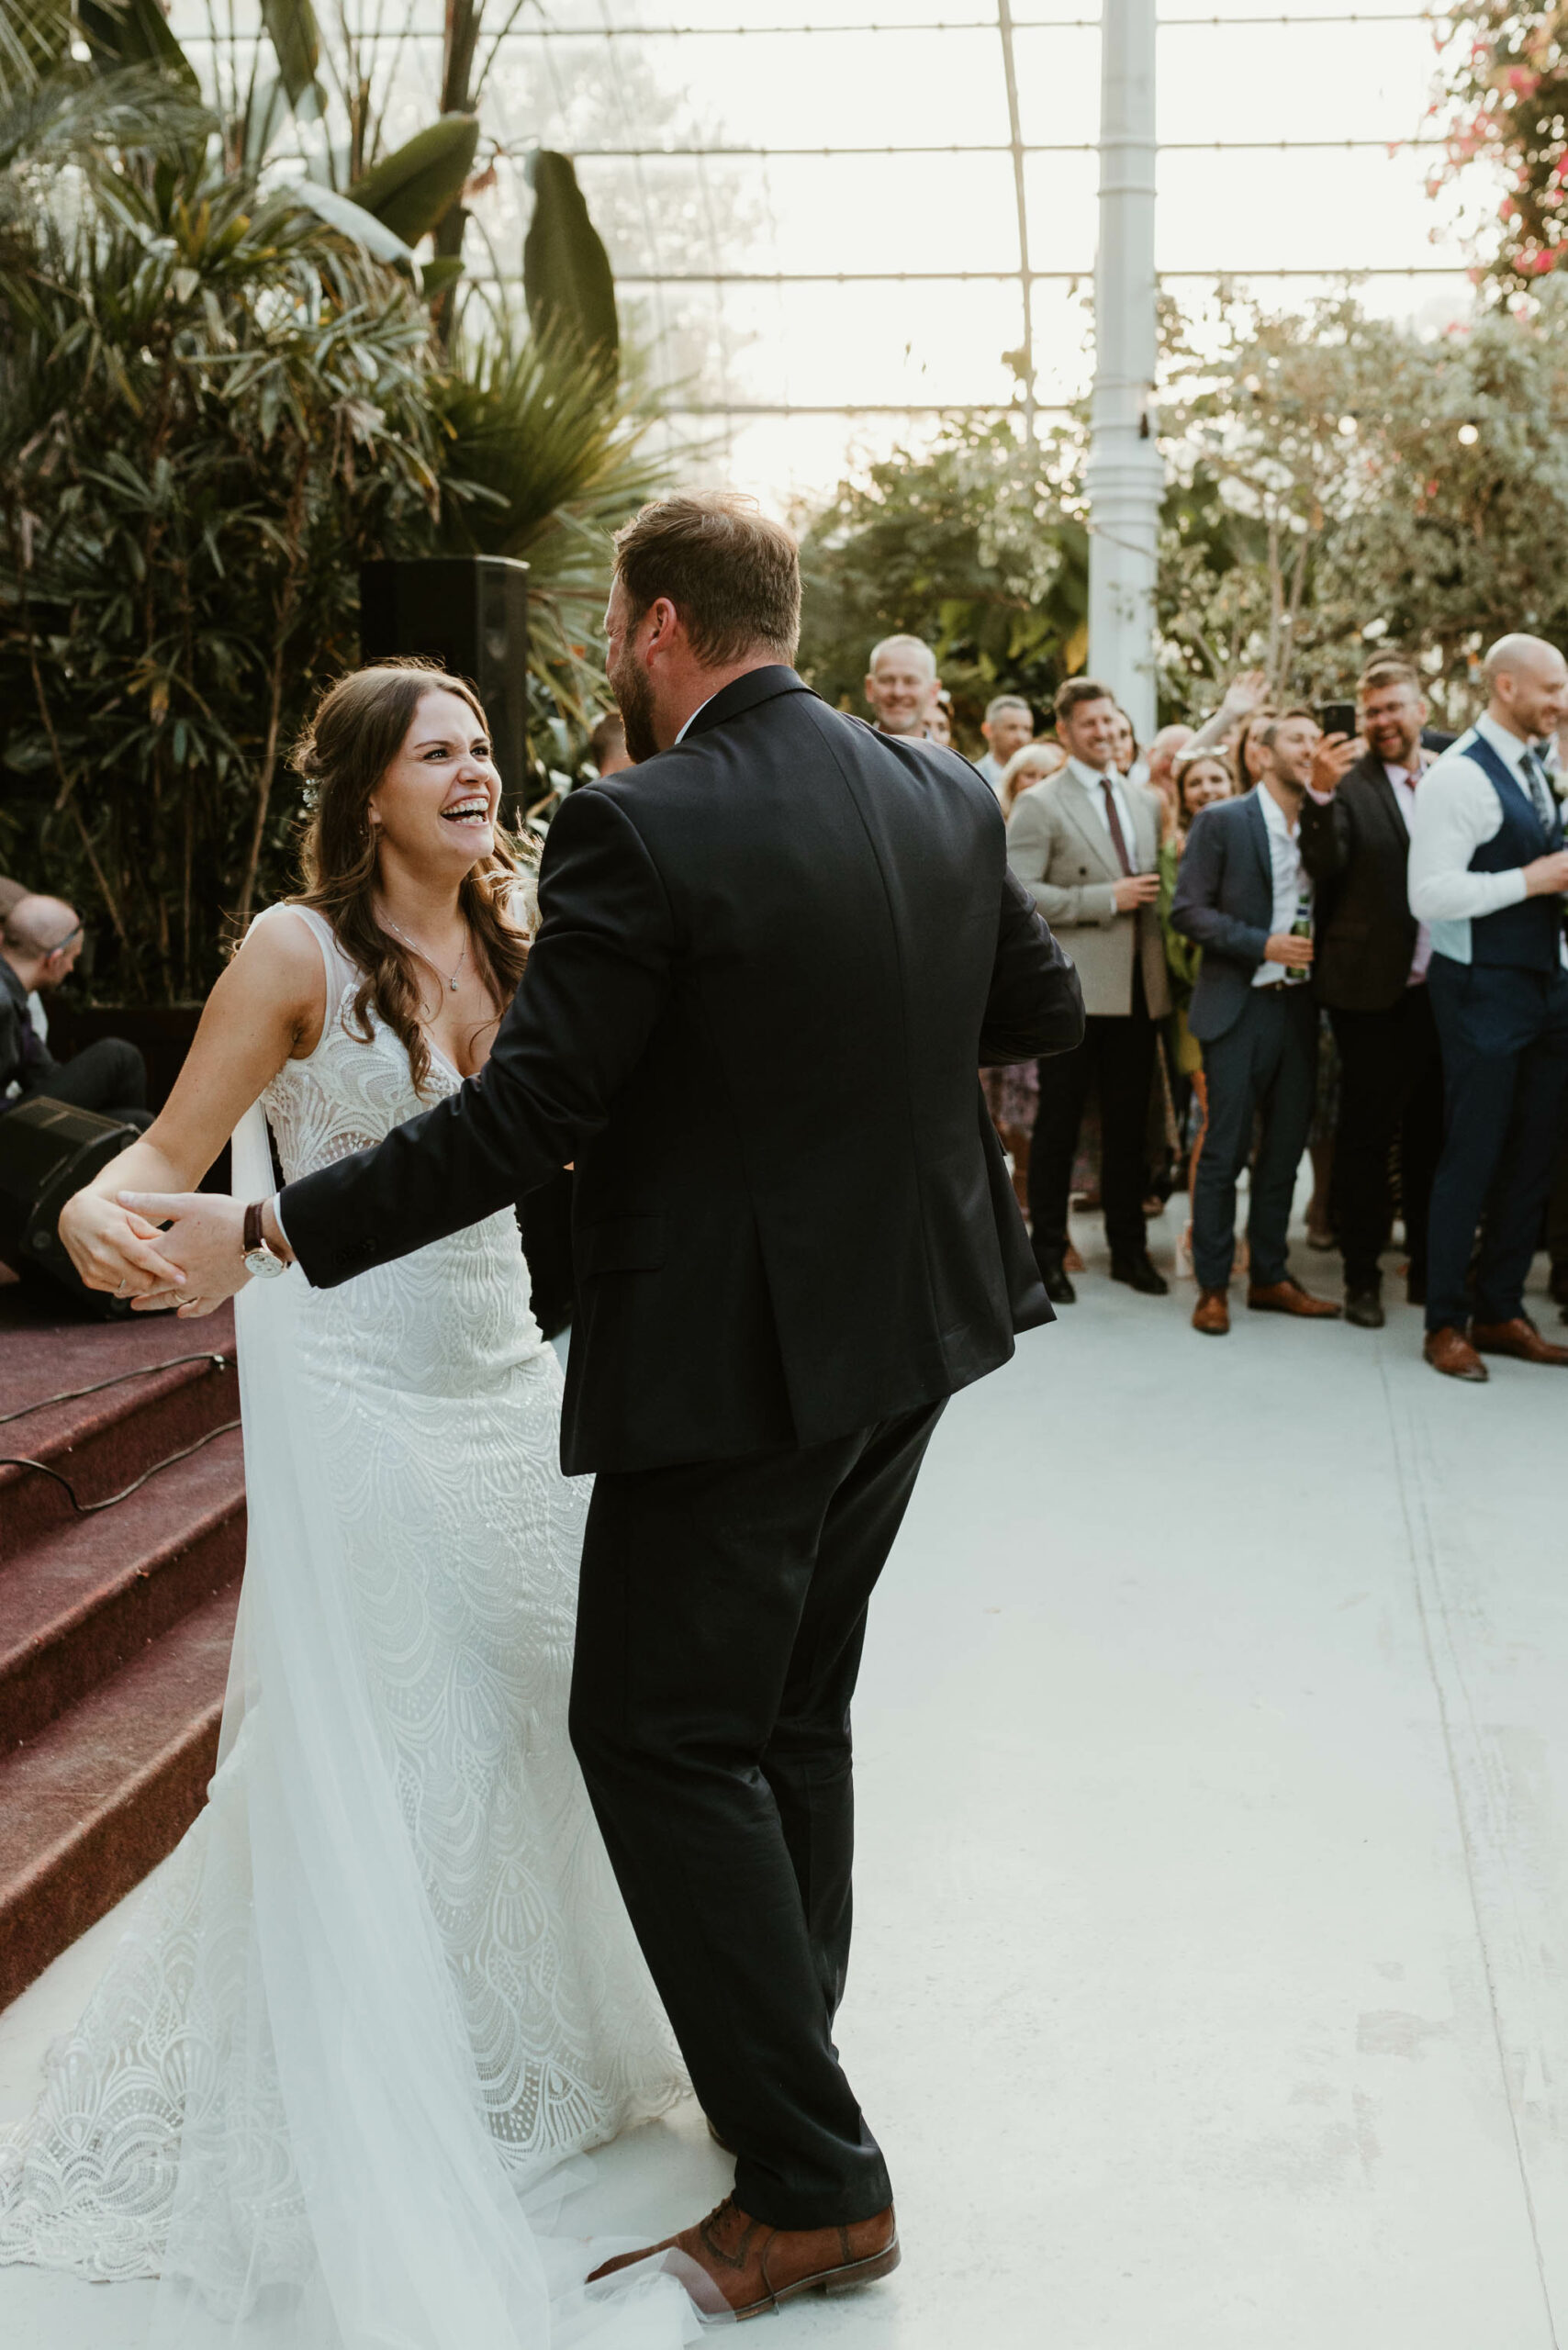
113,1248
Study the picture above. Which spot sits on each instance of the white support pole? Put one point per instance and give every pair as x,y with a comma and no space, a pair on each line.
1125,476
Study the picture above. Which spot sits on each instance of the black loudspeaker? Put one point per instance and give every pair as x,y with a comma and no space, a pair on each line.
48,1150
470,613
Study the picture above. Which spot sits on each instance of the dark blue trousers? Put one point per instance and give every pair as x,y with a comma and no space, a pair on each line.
1266,1062
1505,1042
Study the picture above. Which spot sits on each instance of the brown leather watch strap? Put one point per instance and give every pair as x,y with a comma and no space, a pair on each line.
252,1237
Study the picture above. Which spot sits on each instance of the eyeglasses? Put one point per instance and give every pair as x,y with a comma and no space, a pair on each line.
62,944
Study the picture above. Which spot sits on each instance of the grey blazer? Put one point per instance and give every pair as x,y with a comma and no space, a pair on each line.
1062,854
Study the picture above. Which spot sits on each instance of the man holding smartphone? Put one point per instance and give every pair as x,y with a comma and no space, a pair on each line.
1371,971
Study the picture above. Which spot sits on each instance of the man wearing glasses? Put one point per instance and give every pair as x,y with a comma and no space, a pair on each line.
39,946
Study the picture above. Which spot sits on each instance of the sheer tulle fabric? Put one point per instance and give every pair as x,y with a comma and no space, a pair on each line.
383,1990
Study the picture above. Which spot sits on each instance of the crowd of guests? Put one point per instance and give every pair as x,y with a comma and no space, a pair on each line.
1333,932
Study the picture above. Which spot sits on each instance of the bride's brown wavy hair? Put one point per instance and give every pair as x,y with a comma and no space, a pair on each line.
358,728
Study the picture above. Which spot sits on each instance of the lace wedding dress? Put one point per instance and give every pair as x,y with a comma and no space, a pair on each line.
386,1985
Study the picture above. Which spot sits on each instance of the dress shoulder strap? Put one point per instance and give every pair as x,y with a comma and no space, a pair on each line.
341,971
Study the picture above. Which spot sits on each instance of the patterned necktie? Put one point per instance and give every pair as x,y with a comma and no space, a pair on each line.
1540,790
1118,838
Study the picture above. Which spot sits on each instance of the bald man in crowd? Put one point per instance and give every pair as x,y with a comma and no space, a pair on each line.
39,947
1489,875
900,685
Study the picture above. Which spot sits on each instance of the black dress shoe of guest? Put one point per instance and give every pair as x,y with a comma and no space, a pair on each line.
1363,1308
1053,1272
1141,1273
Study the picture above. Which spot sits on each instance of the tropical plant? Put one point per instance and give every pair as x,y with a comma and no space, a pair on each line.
1505,107
219,393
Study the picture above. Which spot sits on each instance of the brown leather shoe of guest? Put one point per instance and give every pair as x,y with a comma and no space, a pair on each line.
1289,1297
1212,1313
1450,1352
1519,1337
751,2268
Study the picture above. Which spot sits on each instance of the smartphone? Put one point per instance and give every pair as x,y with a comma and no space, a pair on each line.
1337,717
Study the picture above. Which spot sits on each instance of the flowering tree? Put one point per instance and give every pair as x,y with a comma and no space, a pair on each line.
1505,70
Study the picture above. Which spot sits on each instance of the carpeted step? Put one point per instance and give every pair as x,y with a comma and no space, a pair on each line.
103,1442
79,1603
95,1801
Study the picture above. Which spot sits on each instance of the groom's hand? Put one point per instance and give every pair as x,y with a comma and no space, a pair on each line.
203,1245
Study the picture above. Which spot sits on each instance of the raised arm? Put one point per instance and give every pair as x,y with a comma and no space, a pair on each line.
1035,1004
596,980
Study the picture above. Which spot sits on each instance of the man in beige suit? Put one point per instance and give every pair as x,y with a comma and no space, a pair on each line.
1085,845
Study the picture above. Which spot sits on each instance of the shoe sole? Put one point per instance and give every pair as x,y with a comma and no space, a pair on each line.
1330,1314
827,2281
1470,1378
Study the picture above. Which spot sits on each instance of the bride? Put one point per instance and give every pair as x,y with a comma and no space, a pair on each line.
386,1985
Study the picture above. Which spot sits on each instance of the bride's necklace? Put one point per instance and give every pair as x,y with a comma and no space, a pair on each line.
426,957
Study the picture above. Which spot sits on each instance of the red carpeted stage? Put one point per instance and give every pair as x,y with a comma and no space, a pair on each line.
122,1537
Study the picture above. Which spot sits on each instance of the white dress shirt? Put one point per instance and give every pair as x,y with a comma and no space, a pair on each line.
1456,809
990,767
1292,887
1403,782
1091,780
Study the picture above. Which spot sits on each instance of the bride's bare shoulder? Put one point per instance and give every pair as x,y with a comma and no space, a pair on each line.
279,965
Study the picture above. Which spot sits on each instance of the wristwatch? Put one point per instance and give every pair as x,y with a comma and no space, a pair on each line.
259,1259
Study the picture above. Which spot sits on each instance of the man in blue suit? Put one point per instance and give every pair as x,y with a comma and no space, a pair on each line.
1244,896
1488,871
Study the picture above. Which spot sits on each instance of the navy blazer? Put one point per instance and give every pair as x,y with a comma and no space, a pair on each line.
1225,899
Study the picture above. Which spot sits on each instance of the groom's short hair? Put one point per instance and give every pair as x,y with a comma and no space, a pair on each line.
732,575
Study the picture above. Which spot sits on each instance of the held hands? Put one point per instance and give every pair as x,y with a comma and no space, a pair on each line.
1135,889
1286,947
115,1250
1547,874
1335,756
201,1254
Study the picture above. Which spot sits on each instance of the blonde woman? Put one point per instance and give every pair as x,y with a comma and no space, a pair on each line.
1035,763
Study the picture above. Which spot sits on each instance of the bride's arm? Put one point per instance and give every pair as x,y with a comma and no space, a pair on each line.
267,1008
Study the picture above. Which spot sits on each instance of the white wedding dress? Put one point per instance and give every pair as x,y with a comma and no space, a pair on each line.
386,1985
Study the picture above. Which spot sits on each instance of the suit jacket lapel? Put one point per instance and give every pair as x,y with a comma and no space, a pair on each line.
1371,767
1254,805
1096,839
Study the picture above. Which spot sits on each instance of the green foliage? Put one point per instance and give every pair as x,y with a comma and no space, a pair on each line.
1342,483
1507,106
211,409
566,270
975,546
412,189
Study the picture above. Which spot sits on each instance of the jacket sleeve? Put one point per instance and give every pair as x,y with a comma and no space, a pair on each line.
1032,842
1035,1004
1326,836
1195,910
595,982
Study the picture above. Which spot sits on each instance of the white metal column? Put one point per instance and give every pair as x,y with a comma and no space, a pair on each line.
1124,475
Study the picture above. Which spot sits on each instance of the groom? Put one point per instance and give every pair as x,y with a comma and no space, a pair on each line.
770,957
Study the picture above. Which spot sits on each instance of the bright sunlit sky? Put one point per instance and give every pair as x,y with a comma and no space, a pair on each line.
664,75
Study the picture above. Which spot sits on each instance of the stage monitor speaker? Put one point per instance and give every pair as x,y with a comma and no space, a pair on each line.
48,1150
470,613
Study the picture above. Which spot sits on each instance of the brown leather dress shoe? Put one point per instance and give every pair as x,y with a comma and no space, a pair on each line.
1519,1337
1289,1297
752,2268
1450,1352
1212,1312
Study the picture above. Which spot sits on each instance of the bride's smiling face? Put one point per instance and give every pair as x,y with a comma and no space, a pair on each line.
437,800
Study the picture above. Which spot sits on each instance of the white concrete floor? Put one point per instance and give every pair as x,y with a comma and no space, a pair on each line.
1210,1987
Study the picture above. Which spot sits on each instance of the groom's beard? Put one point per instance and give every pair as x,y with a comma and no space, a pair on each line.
635,701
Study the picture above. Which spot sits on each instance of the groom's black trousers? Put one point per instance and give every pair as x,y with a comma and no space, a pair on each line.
719,1626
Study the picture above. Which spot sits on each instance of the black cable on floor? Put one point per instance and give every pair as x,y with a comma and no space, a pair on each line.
145,1371
85,1510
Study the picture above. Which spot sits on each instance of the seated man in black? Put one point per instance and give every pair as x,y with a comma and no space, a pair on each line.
39,947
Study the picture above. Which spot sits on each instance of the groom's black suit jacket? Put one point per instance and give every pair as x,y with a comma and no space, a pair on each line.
768,964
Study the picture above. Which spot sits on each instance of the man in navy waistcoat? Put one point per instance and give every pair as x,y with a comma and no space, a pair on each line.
1488,873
